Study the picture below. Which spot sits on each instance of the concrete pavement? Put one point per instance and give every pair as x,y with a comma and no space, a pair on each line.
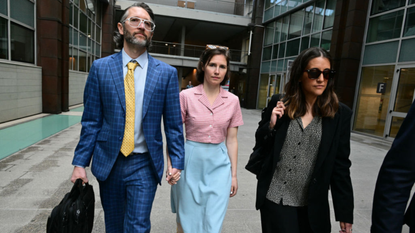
35,179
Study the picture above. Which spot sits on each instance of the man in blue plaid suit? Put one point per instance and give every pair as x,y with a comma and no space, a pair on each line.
128,183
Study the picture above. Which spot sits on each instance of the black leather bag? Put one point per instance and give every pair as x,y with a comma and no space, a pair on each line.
75,213
257,160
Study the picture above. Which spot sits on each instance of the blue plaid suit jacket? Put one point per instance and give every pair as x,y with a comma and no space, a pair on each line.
103,120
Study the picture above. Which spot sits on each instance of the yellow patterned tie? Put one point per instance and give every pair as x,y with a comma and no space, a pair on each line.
128,141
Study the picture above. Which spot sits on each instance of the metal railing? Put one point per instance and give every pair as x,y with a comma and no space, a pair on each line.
176,49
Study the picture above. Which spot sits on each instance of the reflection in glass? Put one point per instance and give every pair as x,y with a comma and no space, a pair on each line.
266,55
75,18
407,50
97,50
83,23
98,34
82,61
3,7
318,16
71,59
23,11
283,5
263,87
292,47
409,29
326,39
308,19
381,53
265,66
3,39
329,14
82,42
293,3
275,51
379,6
385,27
280,65
278,28
70,14
273,66
281,52
75,59
372,107
268,14
304,43
22,46
406,90
315,40
296,23
269,33
284,29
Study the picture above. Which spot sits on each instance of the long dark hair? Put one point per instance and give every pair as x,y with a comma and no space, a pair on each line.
326,104
205,59
118,38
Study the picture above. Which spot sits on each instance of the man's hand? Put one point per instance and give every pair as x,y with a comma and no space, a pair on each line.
79,173
173,175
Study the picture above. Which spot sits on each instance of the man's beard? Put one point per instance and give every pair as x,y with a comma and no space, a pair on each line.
136,41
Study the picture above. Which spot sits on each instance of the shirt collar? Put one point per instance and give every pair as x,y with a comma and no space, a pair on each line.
198,90
142,59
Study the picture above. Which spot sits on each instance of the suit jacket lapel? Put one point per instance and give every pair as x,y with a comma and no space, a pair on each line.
328,131
153,75
116,70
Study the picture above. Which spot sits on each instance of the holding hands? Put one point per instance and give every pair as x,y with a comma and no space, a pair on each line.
172,175
277,112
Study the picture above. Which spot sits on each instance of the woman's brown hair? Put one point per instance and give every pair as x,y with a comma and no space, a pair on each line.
207,56
326,104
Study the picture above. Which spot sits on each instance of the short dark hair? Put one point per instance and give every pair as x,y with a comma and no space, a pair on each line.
118,38
205,58
326,105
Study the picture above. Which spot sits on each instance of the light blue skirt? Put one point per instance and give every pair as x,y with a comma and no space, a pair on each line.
200,198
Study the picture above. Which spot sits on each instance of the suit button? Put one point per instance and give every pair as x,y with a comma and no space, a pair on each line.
314,180
120,138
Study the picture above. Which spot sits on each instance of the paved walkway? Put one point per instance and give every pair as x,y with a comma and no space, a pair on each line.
35,179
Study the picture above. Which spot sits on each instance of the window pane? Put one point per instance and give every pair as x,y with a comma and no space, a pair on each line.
89,28
318,16
275,51
411,1
269,13
372,107
82,42
76,2
70,14
98,50
75,38
75,18
293,3
269,33
385,27
3,39
282,50
315,40
98,19
273,66
71,59
83,23
22,43
23,11
75,60
379,6
82,61
82,5
284,30
280,65
308,19
326,40
296,24
283,5
277,10
70,35
277,34
410,22
304,43
380,53
330,8
407,50
292,48
269,3
266,55
98,34
3,7
89,45
265,67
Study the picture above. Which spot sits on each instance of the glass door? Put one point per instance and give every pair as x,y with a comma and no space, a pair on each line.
402,96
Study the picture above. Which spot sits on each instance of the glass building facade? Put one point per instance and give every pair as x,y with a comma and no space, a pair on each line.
290,27
386,87
17,30
84,34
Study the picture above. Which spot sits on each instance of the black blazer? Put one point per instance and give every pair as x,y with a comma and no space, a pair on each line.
395,180
332,168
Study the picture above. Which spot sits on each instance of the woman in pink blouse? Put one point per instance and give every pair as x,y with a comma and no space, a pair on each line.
211,116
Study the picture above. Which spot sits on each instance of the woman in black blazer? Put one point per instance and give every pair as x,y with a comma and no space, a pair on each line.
308,132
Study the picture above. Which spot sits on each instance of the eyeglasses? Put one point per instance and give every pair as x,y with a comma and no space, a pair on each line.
136,22
315,73
211,46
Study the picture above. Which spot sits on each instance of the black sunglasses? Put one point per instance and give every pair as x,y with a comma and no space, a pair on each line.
315,73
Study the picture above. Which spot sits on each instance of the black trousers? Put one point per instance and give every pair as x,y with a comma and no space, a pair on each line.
277,218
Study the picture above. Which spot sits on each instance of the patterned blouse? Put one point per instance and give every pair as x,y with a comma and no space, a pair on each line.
289,185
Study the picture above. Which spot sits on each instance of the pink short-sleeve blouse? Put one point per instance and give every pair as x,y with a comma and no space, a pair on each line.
205,122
